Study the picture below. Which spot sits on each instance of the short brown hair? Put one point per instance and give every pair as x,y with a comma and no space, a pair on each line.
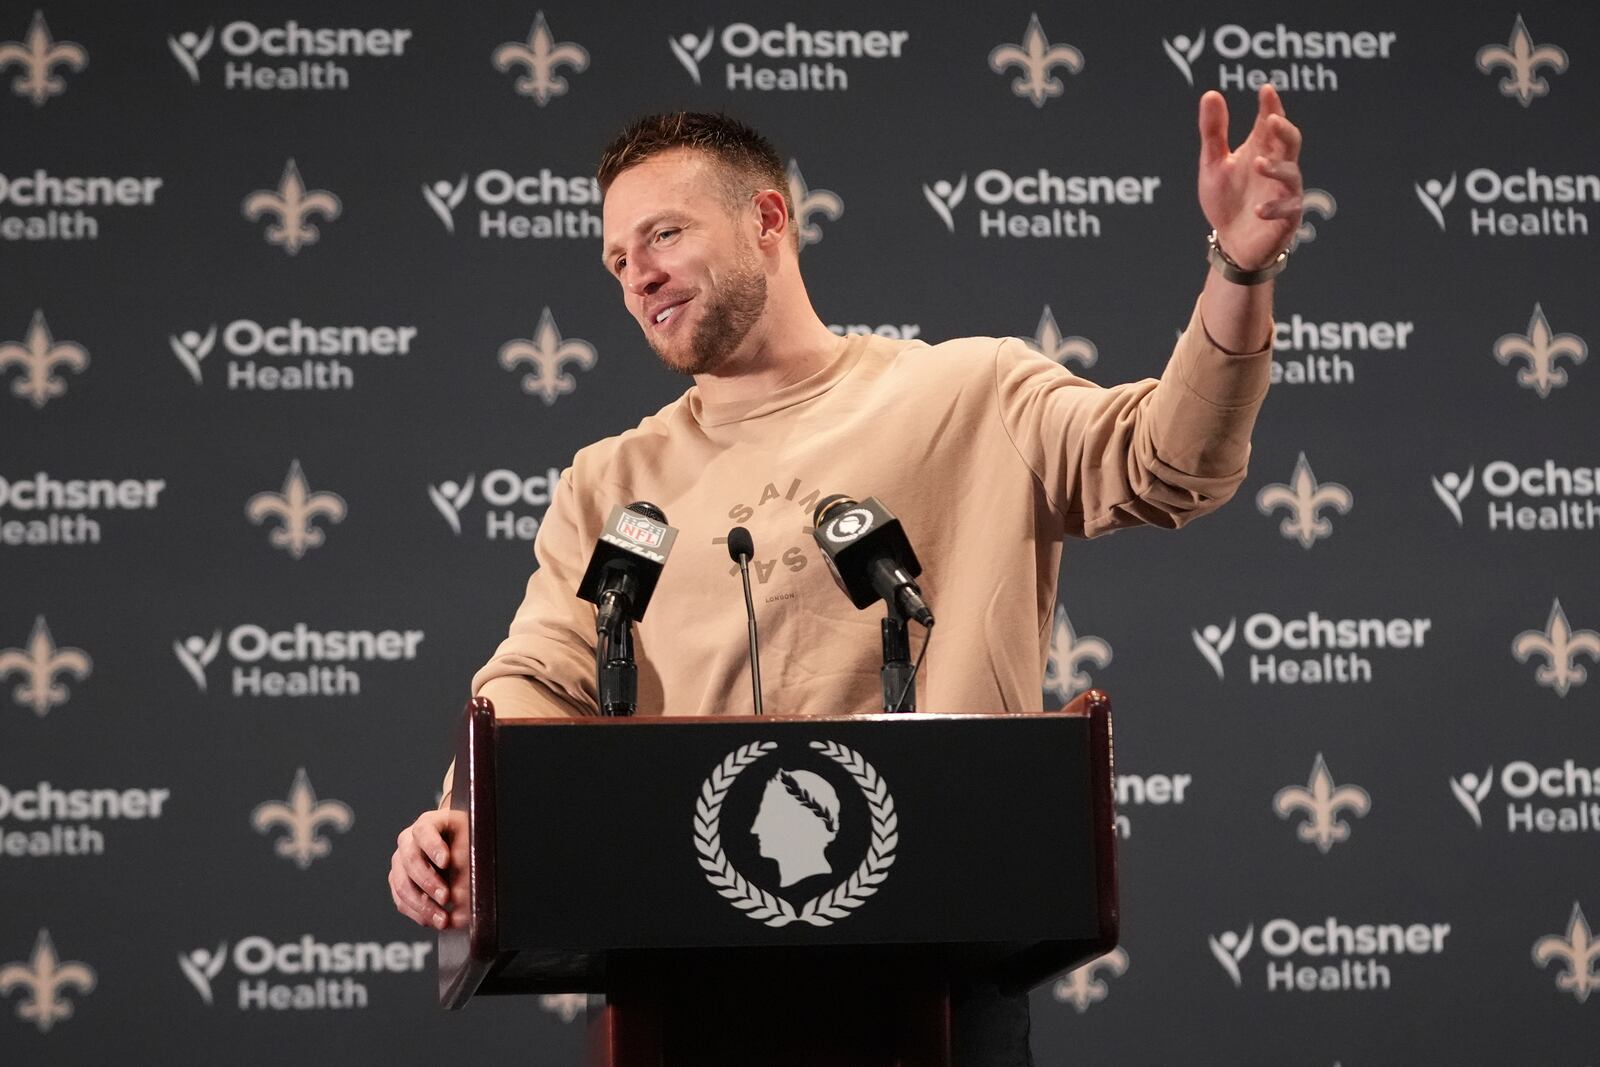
746,161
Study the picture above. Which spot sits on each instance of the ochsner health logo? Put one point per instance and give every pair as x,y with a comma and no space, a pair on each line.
1340,643
1558,798
297,661
1250,58
1325,957
565,205
1524,203
305,974
286,56
1010,201
747,49
288,357
1546,496
43,198
505,494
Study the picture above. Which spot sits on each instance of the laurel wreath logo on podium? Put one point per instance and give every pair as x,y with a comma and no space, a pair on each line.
766,907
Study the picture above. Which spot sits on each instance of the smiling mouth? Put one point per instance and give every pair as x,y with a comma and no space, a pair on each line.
665,316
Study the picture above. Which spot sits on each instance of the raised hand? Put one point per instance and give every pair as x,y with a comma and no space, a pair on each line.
1251,195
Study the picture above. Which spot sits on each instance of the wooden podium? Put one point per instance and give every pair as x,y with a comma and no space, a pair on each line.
810,890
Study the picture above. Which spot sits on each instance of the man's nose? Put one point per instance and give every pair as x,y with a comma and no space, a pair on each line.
642,279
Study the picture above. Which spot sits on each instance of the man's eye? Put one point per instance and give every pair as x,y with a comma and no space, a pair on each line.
660,234
620,264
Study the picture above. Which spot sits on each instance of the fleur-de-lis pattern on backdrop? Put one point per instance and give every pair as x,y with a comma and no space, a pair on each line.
41,665
40,57
1304,498
1542,350
302,818
549,354
40,358
1522,60
1064,676
541,57
1578,952
1036,58
1316,202
45,982
293,206
1425,451
1558,645
1082,987
1321,802
296,510
1047,338
809,202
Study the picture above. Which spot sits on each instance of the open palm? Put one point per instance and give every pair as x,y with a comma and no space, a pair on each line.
1250,195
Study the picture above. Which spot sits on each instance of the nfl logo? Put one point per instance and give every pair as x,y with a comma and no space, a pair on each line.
640,530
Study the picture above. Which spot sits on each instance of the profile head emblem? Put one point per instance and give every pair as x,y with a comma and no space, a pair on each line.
798,819
799,815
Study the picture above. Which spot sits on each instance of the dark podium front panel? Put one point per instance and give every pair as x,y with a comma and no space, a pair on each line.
972,846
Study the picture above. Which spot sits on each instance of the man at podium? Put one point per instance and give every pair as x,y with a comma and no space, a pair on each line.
988,452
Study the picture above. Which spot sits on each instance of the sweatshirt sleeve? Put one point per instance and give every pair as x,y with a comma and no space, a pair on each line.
545,666
1156,452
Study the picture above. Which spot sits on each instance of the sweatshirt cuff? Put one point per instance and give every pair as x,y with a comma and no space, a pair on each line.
1221,378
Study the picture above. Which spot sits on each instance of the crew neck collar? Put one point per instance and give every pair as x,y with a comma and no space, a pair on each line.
725,412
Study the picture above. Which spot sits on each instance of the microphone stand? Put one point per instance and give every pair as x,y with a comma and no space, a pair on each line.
897,673
617,673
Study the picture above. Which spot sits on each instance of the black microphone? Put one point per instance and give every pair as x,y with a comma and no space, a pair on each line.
627,561
869,555
742,549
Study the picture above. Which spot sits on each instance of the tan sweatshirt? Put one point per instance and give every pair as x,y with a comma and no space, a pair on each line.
986,451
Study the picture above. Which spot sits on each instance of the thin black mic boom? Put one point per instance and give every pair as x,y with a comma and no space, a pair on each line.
741,547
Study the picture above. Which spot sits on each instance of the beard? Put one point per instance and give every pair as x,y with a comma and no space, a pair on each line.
726,317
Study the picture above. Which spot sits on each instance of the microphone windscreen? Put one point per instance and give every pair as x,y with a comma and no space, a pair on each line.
827,504
644,507
740,543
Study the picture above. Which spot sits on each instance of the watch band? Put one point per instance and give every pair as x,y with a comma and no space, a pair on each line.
1237,274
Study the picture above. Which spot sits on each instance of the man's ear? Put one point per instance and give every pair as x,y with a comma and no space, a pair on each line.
772,213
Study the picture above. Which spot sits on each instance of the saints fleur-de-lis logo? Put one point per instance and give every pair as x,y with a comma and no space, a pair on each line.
39,665
1064,677
38,57
1048,340
1579,950
292,205
1036,57
46,979
1318,202
303,817
542,56
1541,349
1081,988
1322,801
1560,646
1522,58
547,351
808,202
566,1005
1305,498
296,508
39,356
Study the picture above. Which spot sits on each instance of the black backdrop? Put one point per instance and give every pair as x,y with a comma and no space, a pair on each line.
1431,439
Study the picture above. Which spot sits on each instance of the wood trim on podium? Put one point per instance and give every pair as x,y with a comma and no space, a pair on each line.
466,955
